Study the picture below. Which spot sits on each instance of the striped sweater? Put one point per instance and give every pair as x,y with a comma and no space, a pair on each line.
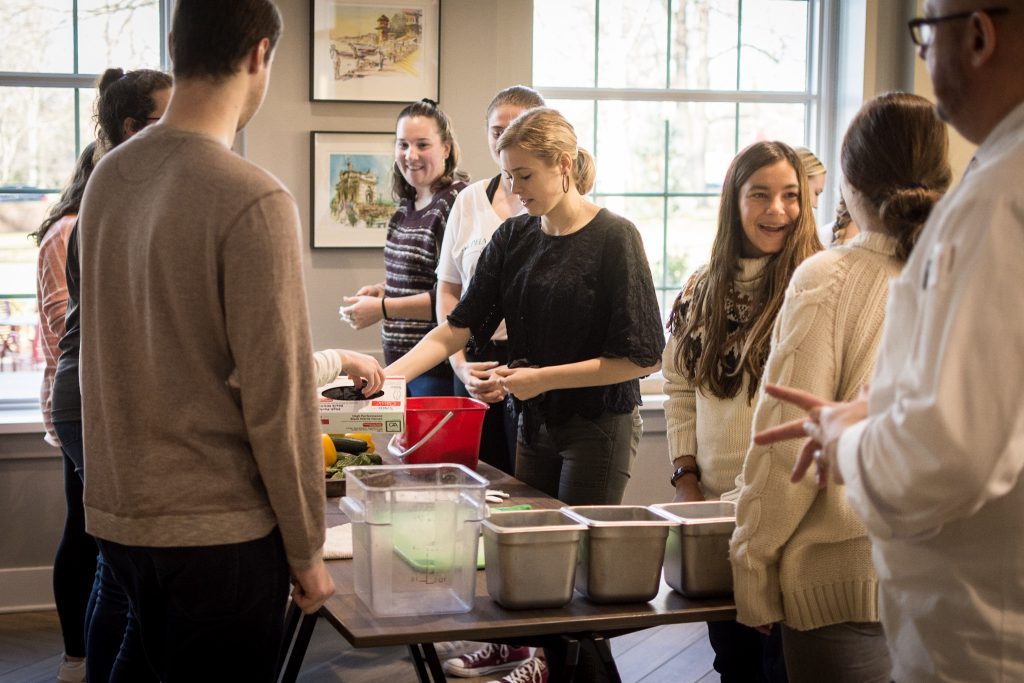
410,260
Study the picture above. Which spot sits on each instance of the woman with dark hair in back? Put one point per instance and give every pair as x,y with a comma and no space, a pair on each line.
127,103
801,557
426,180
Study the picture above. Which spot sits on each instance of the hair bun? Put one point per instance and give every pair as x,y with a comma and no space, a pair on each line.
109,76
907,209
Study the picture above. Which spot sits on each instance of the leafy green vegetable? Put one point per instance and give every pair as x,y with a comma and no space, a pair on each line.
336,471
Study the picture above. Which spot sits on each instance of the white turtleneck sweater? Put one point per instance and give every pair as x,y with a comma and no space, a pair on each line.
801,555
714,430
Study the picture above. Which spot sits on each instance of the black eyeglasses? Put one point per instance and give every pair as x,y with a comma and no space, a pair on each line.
922,30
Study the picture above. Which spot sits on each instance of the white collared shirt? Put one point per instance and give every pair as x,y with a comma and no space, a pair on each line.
934,471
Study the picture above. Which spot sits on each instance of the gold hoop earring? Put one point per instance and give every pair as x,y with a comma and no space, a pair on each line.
565,183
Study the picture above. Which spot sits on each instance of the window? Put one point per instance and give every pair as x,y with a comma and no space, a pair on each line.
664,93
51,52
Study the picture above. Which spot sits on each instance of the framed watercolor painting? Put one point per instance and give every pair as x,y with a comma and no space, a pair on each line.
373,50
350,181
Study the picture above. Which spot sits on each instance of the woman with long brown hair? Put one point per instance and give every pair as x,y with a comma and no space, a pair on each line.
127,102
801,557
720,327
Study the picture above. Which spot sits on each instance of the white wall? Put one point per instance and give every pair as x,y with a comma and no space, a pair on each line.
486,45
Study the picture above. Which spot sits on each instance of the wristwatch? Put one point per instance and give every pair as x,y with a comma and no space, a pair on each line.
686,469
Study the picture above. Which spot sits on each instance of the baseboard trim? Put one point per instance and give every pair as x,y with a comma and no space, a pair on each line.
26,589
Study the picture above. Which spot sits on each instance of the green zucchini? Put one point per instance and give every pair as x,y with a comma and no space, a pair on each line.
343,443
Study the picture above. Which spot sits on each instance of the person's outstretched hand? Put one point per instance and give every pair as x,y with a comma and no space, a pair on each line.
825,423
359,367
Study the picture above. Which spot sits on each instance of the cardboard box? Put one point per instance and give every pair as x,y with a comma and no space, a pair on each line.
385,414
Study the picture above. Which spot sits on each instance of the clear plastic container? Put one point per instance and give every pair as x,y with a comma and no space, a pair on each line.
415,531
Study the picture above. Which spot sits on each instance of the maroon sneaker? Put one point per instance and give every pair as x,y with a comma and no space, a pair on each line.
533,670
487,660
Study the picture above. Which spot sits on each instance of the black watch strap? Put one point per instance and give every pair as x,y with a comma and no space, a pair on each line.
686,469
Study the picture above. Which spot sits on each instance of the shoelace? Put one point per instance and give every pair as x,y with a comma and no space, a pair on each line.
483,653
531,671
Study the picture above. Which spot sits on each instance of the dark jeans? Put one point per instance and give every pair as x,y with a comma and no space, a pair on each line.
427,385
584,461
743,655
104,612
207,613
842,653
498,438
74,566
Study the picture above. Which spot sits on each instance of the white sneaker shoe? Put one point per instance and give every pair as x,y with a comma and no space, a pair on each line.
71,672
450,649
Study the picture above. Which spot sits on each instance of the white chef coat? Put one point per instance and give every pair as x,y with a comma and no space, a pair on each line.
934,471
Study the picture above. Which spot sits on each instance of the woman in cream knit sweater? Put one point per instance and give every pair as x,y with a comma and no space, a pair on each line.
721,324
800,556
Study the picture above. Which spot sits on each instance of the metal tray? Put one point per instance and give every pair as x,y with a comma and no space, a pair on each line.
697,553
531,557
621,553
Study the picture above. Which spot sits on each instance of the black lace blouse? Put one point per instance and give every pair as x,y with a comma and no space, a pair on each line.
566,299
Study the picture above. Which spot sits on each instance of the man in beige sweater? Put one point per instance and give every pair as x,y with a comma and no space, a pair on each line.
204,477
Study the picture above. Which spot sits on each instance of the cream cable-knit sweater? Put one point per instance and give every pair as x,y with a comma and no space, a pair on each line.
800,554
715,430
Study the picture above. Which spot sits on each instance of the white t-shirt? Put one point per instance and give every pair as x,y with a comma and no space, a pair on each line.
470,226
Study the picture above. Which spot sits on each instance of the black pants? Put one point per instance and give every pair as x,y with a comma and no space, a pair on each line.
744,655
209,613
498,438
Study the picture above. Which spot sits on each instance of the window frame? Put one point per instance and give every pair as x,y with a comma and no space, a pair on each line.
76,81
818,97
14,406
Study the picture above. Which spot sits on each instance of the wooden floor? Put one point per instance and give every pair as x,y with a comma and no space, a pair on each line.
30,649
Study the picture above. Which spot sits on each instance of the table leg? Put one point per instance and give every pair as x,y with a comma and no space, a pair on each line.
562,654
428,666
303,623
604,651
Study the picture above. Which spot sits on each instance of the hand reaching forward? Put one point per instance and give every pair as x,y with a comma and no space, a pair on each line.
825,423
358,367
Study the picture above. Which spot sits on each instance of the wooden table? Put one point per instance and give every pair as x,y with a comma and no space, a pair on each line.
560,631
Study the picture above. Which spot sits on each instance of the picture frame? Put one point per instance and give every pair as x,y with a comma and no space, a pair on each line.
374,50
350,188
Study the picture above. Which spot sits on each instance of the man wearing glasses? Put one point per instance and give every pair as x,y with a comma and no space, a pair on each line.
932,459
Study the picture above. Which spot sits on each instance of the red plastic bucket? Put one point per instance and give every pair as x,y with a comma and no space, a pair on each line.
440,429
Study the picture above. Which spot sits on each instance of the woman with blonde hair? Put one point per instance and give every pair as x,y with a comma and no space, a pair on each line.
720,327
800,555
816,173
572,283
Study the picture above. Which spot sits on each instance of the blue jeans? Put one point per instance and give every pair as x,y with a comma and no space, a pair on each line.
426,385
104,612
204,613
583,461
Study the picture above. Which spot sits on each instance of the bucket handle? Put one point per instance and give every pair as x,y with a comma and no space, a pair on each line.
394,450
353,509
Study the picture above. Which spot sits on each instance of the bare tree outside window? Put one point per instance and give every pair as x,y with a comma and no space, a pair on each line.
50,54
664,93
